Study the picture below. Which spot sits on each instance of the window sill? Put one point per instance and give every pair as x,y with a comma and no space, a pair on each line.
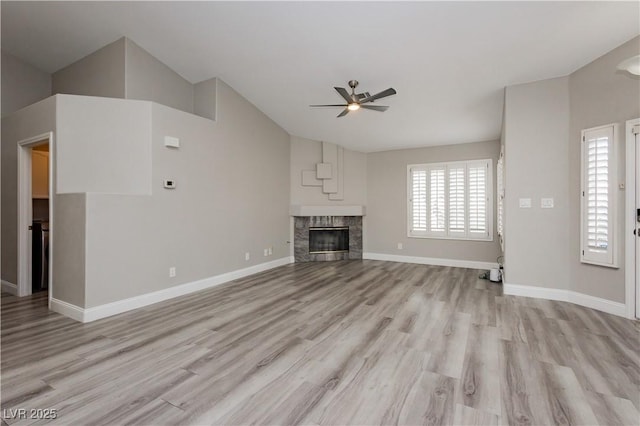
446,237
595,263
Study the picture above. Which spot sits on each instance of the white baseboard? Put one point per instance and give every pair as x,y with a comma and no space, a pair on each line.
109,309
430,261
604,305
68,310
8,287
538,292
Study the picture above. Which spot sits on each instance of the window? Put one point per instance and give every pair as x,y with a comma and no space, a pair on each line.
598,215
451,200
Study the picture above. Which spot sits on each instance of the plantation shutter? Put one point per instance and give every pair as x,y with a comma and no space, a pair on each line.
437,200
457,199
597,193
478,225
450,200
418,200
597,196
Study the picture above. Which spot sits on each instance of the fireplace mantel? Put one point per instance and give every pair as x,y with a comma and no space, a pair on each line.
298,210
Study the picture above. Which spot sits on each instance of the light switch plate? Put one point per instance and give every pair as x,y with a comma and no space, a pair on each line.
525,203
546,203
170,184
171,142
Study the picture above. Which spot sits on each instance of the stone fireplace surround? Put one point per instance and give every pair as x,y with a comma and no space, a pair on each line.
301,237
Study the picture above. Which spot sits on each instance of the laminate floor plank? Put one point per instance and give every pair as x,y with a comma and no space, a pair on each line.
611,410
431,401
326,343
480,382
467,416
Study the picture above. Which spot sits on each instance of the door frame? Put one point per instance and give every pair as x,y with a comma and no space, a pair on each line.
25,211
630,220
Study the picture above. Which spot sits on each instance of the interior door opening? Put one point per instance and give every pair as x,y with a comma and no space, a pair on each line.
40,218
35,216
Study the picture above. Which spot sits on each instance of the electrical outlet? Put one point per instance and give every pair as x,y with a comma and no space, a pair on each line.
266,252
172,272
546,203
247,256
270,251
399,246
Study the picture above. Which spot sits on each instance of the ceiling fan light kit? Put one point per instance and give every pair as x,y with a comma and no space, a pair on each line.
631,65
355,100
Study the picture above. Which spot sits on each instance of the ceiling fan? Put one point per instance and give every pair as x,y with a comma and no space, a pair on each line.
355,101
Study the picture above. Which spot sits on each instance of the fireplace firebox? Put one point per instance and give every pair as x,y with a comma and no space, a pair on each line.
333,239
313,242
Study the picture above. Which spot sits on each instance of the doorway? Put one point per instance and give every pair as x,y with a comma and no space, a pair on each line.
632,228
35,215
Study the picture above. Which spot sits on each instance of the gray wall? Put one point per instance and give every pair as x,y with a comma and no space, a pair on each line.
204,98
149,79
69,249
68,222
22,84
232,197
31,121
124,70
105,145
101,73
386,220
600,95
536,130
305,153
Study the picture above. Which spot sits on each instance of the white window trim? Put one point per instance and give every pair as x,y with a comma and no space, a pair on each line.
500,197
613,200
445,235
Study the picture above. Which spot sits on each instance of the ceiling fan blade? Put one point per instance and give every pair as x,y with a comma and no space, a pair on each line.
343,113
382,94
375,107
335,105
343,92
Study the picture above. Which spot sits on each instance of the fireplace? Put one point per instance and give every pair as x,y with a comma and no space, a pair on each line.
326,238
334,239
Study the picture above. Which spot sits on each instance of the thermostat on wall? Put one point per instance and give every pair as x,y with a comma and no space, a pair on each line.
170,184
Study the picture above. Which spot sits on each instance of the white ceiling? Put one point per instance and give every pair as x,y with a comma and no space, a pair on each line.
449,61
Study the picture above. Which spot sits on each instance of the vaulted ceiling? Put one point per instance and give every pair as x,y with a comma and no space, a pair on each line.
448,61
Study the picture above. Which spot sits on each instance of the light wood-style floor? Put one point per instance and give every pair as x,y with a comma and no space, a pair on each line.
355,342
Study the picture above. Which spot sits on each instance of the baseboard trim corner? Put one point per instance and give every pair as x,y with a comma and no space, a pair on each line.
68,310
8,287
457,263
561,295
124,305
